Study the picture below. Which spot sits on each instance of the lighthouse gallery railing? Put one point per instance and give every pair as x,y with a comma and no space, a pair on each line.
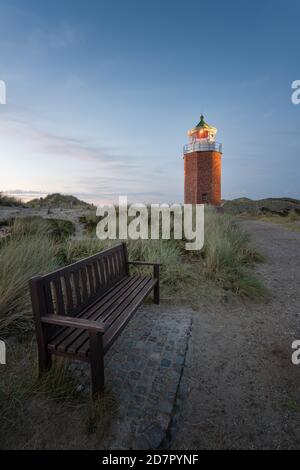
202,147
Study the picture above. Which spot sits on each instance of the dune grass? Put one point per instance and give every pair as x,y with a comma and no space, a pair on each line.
56,229
33,410
10,201
21,259
43,413
228,255
225,261
31,249
37,246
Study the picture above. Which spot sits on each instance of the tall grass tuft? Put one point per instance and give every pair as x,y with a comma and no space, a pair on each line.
22,255
9,201
57,229
227,255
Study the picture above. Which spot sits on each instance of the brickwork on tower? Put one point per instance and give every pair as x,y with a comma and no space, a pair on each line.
202,177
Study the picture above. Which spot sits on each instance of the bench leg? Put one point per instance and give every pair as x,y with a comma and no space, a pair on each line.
45,361
97,363
156,288
156,293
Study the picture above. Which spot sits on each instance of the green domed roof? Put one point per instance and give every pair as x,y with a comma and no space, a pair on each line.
202,124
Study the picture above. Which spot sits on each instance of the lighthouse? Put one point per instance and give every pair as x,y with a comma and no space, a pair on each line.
202,166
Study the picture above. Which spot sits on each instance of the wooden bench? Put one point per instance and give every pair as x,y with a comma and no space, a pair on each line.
80,310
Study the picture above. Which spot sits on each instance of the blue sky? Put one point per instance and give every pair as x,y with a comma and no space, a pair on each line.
100,95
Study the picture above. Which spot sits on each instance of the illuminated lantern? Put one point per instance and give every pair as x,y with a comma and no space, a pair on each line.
202,166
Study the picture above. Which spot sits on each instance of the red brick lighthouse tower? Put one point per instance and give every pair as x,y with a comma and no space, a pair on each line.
202,166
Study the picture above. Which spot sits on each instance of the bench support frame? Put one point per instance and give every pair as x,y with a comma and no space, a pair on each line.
46,321
97,362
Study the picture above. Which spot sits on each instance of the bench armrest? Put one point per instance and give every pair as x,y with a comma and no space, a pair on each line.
144,263
74,322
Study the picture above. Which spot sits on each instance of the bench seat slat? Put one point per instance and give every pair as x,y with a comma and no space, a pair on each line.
110,313
65,337
88,311
73,341
120,323
76,342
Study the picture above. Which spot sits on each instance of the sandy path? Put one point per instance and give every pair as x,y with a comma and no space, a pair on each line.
243,390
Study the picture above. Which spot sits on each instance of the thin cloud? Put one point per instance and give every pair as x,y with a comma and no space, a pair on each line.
52,144
24,192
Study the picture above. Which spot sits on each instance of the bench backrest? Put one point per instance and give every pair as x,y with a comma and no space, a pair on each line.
68,290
